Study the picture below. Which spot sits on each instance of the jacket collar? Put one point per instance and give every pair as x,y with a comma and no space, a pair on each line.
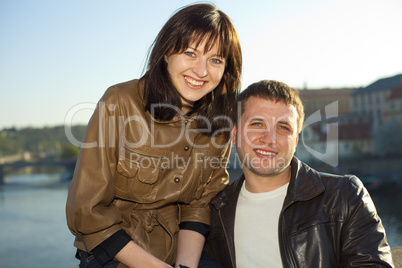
230,193
305,183
177,119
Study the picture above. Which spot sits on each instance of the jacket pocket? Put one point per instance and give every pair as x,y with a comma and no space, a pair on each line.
208,162
138,173
312,216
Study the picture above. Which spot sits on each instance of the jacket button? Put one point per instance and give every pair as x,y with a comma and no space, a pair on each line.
186,148
176,180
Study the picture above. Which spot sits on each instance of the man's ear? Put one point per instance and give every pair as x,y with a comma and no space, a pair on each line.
297,142
233,134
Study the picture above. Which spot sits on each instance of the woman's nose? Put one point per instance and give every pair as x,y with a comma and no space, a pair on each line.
200,68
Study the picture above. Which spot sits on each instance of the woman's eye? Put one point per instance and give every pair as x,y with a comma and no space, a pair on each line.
189,53
217,61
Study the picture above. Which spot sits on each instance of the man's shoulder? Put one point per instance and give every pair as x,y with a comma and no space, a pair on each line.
310,179
228,193
304,169
347,179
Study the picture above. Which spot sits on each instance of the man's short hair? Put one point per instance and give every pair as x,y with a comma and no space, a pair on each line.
274,91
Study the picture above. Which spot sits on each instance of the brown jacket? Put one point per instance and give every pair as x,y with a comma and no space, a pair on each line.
142,175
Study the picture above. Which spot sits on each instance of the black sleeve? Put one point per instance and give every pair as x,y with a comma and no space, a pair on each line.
198,227
106,251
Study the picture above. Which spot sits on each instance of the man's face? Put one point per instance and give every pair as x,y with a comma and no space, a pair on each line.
266,136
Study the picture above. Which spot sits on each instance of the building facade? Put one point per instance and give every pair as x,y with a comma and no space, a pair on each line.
342,123
370,103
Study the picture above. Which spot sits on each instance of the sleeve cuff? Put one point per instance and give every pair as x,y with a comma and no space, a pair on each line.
198,227
106,251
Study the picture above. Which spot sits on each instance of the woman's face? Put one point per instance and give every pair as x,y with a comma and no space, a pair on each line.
195,74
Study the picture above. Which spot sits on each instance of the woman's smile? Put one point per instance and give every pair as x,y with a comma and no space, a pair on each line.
195,72
193,82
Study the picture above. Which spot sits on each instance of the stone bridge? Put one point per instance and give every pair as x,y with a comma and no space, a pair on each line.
7,168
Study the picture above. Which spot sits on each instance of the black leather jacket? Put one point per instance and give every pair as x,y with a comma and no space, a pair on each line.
326,221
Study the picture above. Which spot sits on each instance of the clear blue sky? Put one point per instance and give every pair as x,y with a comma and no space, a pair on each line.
57,54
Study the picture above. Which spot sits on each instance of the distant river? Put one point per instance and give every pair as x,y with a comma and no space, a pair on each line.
34,233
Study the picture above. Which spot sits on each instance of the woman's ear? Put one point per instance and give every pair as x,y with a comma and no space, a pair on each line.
166,58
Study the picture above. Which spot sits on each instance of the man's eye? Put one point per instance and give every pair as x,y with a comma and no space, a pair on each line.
284,128
256,124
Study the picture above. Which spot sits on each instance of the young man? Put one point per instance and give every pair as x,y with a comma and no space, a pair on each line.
281,212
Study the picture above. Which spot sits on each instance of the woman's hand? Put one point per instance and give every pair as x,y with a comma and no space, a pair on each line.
135,256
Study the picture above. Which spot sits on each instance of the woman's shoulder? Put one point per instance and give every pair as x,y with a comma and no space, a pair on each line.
129,90
128,87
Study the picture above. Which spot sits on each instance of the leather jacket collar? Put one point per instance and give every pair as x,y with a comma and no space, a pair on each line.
306,180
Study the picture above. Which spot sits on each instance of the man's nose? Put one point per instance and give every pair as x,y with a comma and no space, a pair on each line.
268,136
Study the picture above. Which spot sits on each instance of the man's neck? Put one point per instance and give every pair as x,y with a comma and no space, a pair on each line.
260,184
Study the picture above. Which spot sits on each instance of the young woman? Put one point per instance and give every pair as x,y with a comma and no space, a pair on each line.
156,149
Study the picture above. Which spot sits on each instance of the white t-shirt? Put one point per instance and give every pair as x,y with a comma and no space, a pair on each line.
256,228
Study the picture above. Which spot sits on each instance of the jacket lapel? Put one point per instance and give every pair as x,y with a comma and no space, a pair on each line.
305,183
226,204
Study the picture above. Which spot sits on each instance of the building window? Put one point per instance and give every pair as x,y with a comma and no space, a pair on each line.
355,102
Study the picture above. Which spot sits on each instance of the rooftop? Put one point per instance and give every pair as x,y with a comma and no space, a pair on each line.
381,84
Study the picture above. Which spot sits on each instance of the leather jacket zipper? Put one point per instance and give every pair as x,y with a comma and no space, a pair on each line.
226,238
283,244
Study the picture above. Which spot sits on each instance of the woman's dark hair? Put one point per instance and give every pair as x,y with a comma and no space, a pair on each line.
190,24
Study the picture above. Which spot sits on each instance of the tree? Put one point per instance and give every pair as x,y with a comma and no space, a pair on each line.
70,152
